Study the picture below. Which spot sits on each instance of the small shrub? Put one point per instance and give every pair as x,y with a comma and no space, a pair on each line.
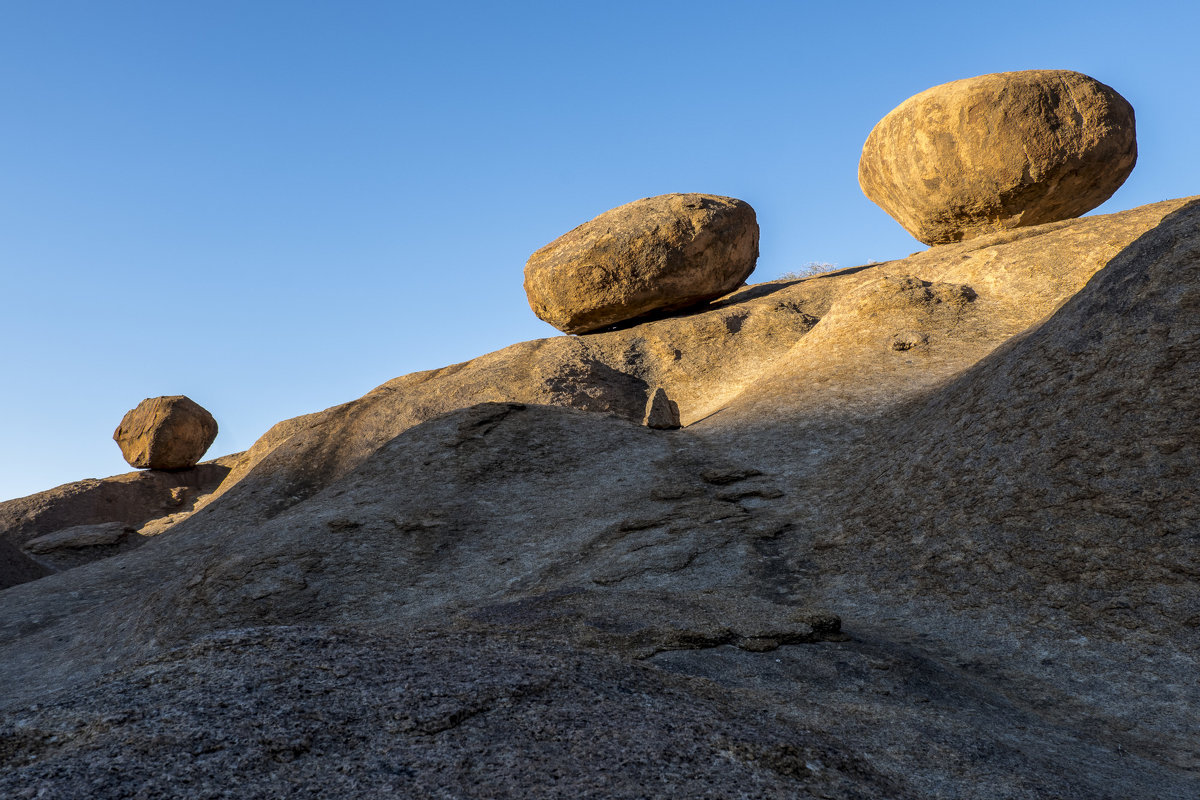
808,270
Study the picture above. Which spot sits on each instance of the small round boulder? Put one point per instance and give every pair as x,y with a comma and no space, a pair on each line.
652,255
999,151
166,433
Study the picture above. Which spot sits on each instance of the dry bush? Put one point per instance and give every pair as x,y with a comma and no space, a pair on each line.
808,270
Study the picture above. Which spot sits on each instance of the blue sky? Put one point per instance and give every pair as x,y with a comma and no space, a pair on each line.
273,207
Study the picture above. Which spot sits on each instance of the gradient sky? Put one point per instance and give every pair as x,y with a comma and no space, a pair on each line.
273,207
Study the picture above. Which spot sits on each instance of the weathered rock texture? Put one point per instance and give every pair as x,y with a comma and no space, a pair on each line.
963,567
82,544
81,536
541,719
652,255
165,433
1000,151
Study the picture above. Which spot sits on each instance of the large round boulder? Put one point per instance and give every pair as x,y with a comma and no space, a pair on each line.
165,433
999,151
652,255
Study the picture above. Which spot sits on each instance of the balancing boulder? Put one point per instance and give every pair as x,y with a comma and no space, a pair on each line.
649,256
165,433
999,151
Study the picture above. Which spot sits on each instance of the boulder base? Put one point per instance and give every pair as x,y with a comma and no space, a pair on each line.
165,433
999,151
651,255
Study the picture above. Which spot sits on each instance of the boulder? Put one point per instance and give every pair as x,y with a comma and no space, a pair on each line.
999,151
165,433
652,255
662,413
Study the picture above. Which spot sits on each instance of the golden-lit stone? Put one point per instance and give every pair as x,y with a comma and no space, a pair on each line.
999,151
652,255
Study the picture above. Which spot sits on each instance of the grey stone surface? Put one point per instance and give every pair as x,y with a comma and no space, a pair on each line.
961,569
82,544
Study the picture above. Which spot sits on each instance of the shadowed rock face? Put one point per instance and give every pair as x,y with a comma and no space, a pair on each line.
961,567
656,254
1000,151
17,567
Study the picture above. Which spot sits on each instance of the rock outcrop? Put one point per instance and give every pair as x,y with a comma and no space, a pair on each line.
1000,151
165,433
82,544
879,561
652,255
148,501
772,350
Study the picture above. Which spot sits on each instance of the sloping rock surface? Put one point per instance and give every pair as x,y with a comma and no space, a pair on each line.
1061,470
747,356
861,570
400,712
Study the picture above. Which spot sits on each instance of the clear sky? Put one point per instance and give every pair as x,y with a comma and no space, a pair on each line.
274,206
